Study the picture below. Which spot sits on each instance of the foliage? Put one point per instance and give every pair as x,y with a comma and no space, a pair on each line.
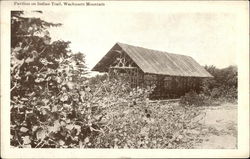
150,126
42,90
192,99
224,84
94,81
112,116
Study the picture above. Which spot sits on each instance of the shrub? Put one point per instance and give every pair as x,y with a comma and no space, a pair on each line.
149,126
192,99
113,115
73,118
223,86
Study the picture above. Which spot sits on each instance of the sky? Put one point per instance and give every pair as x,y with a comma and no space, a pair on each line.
207,36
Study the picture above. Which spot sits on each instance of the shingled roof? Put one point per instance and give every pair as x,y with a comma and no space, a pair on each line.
154,62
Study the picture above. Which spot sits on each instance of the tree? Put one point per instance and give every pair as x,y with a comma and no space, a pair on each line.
41,77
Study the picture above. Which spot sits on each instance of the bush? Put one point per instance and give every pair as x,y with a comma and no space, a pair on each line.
192,99
150,126
113,115
224,85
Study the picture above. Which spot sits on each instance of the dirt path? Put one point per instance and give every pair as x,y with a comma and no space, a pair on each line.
220,127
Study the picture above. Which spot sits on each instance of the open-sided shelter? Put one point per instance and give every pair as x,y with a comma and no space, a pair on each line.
172,74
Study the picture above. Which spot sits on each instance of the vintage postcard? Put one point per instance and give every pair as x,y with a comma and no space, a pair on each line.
124,79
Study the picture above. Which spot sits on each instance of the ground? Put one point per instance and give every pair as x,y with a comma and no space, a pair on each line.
219,127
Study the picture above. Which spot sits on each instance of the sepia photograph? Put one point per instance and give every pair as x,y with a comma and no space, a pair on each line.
124,75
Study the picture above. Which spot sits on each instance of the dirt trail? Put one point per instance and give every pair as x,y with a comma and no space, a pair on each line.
220,127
